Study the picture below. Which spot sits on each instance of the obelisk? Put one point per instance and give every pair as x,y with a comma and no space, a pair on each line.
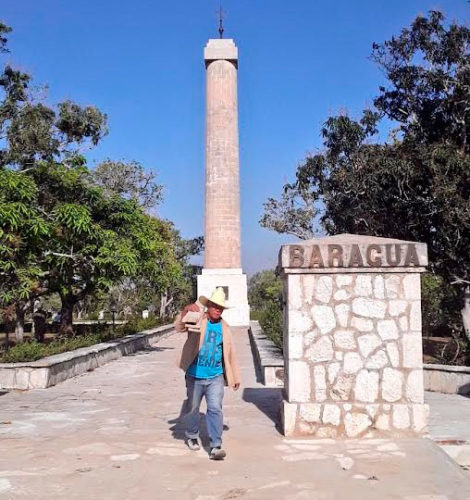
222,261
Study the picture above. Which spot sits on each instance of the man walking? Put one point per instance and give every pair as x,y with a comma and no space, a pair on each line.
209,360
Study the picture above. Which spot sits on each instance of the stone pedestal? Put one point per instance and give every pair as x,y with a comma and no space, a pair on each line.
222,261
236,292
352,337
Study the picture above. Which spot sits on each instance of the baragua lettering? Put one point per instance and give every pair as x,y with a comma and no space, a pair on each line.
374,255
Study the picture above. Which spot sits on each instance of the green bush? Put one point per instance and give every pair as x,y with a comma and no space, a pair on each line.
255,315
271,322
137,324
432,296
33,350
27,351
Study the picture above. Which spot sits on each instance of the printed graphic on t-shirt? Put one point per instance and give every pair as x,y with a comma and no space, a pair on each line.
208,363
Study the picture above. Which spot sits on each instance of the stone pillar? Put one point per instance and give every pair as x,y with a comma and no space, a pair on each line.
222,261
352,337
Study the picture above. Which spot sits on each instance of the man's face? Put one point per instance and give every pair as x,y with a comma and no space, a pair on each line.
214,311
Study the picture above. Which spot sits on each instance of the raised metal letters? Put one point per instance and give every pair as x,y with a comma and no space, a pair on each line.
354,255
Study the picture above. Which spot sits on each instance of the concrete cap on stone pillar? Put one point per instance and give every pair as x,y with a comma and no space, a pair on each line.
353,253
221,48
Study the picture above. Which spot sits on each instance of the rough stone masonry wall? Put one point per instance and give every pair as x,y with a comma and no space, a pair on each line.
354,354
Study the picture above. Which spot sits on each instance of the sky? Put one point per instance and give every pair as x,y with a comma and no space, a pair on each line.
141,62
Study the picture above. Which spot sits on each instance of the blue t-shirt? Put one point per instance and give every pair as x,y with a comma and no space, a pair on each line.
208,363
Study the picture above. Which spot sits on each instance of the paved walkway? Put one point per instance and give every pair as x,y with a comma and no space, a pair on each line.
114,434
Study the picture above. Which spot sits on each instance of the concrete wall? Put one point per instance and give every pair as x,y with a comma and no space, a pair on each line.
52,370
447,379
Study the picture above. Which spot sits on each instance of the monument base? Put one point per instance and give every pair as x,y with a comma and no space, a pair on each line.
350,420
236,291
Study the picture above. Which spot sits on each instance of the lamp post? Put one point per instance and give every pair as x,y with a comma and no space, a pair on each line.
113,309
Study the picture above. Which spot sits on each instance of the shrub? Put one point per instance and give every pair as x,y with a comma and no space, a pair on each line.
33,350
271,322
432,296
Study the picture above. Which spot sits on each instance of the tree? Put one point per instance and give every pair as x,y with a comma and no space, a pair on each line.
23,232
98,238
265,298
31,132
130,181
263,287
181,293
59,231
428,70
417,186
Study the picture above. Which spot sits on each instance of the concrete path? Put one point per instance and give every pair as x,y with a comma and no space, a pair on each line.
450,425
114,434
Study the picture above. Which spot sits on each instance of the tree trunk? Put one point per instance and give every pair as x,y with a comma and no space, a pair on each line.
66,315
165,301
19,323
466,313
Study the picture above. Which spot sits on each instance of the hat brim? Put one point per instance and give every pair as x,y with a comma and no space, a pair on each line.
204,300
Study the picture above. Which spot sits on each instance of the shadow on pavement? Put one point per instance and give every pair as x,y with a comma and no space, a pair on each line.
464,390
267,400
178,427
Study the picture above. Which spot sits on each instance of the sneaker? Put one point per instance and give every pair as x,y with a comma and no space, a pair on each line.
217,453
193,444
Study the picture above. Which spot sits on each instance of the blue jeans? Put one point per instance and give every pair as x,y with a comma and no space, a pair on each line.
213,390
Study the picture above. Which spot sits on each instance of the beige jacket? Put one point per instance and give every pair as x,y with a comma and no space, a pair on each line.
193,345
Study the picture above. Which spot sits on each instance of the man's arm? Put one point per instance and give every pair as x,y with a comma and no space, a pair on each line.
179,325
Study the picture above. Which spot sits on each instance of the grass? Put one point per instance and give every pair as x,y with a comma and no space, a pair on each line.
32,350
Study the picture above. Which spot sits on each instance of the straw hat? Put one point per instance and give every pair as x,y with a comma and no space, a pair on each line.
218,297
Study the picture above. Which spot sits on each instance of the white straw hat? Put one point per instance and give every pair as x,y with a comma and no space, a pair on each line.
218,297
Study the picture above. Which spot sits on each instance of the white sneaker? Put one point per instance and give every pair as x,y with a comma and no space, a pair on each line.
217,453
193,444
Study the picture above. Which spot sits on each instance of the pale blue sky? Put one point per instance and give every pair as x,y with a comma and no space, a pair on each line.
141,63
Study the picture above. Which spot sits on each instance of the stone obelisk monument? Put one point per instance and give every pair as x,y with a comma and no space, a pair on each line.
222,261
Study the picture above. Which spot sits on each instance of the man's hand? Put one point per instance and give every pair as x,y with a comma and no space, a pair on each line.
190,307
236,386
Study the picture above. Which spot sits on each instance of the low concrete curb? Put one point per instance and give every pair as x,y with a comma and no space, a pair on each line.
268,357
447,379
50,371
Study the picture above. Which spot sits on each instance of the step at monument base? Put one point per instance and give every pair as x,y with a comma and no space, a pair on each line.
334,419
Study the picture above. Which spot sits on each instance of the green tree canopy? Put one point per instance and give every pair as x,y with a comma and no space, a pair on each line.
417,185
61,232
